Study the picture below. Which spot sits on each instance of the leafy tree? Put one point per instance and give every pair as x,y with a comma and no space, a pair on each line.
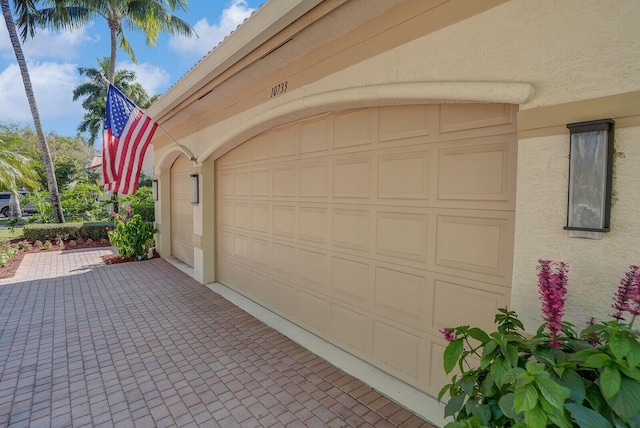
71,155
95,92
16,171
22,7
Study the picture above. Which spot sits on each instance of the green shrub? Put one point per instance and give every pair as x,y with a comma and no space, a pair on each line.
80,203
53,231
141,203
6,252
132,236
555,378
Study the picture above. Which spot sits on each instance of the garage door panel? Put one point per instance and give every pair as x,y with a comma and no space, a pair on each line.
284,181
314,224
350,279
284,220
314,179
241,215
401,122
403,294
283,143
397,349
260,218
475,173
402,236
352,178
314,312
314,270
354,128
473,244
468,117
261,182
351,329
284,261
456,304
404,176
375,228
316,135
351,229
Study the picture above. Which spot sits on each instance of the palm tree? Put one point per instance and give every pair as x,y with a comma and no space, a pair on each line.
152,17
22,64
16,171
95,91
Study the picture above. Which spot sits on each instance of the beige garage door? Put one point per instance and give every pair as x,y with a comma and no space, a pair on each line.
375,228
181,211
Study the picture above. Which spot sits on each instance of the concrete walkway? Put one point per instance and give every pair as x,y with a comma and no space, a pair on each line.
143,344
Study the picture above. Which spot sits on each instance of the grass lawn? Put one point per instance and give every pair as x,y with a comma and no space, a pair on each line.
5,232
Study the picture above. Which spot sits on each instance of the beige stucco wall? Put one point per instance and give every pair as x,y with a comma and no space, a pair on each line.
596,266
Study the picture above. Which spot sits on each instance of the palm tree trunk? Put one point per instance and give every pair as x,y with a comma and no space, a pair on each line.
113,27
22,63
15,211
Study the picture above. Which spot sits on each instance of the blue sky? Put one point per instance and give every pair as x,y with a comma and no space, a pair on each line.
54,57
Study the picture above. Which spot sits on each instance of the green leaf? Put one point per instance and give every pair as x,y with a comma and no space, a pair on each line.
454,405
479,335
498,370
467,383
506,404
536,418
512,374
572,380
626,403
486,386
483,413
609,382
634,356
512,355
586,417
552,392
619,346
534,368
526,398
597,361
452,354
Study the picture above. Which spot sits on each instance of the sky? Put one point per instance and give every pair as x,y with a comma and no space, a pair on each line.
53,58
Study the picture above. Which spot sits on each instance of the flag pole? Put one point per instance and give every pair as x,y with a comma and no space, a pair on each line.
184,149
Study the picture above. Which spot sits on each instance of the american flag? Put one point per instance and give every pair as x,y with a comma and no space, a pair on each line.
126,136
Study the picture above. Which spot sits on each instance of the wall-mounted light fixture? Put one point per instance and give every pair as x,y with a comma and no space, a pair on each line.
195,189
154,190
590,175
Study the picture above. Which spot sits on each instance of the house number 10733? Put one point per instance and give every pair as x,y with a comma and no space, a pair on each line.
279,89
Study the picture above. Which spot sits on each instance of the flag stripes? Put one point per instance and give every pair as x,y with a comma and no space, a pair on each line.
127,134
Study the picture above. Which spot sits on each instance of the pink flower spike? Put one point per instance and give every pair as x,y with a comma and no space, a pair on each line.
448,334
552,287
627,298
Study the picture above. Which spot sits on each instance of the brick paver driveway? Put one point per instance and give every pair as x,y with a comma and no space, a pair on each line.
142,344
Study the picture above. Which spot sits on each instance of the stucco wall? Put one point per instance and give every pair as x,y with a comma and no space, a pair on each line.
596,266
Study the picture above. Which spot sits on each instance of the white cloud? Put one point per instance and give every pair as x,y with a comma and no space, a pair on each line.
153,79
53,85
211,34
47,44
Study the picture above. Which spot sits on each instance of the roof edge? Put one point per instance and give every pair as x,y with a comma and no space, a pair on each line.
271,18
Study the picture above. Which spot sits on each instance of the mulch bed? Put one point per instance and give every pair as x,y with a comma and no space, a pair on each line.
14,262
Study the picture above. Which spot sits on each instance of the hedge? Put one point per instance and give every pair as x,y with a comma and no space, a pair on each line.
51,231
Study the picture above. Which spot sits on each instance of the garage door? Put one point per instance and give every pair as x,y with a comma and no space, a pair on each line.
181,211
375,228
